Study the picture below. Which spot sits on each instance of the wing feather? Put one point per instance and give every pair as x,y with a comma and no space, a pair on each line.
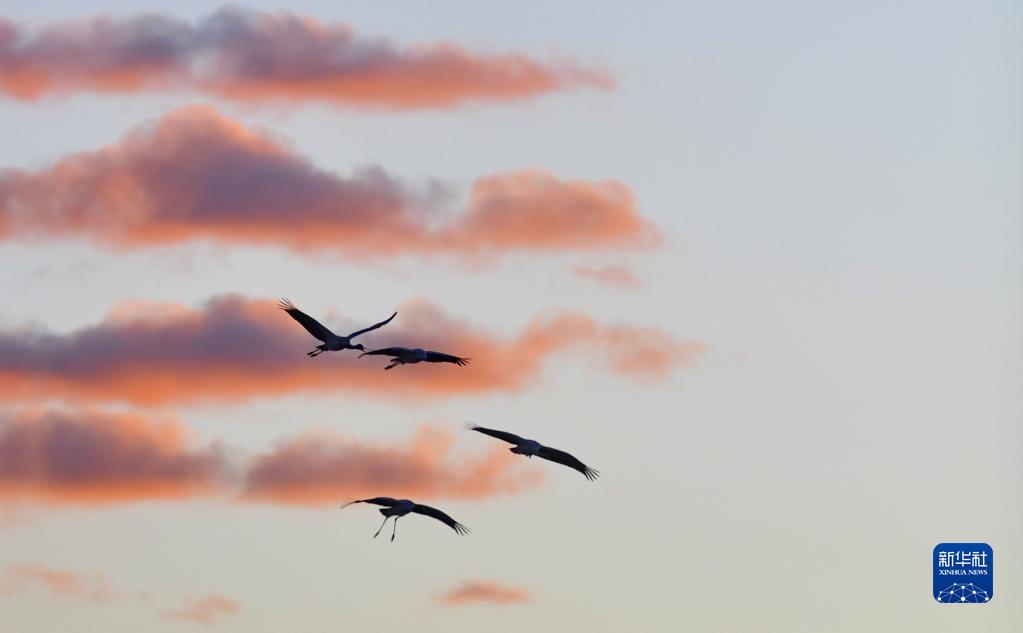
440,516
380,501
386,351
565,459
511,438
438,357
372,327
311,325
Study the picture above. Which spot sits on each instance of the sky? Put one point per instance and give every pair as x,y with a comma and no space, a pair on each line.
757,264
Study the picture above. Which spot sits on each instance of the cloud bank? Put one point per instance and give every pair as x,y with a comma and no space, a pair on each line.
54,458
205,610
59,583
233,349
90,457
195,175
324,468
484,591
254,57
614,275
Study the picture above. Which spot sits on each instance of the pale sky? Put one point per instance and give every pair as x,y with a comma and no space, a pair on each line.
837,192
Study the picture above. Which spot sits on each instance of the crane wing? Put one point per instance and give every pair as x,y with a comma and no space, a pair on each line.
563,458
440,516
387,351
311,325
438,357
511,438
380,501
372,327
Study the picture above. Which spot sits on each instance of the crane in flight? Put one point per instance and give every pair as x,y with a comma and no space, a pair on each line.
331,342
398,508
407,356
532,447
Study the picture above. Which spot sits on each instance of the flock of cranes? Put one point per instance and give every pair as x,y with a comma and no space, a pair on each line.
334,343
398,508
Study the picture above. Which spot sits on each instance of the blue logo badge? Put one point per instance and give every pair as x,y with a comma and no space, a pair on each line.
963,572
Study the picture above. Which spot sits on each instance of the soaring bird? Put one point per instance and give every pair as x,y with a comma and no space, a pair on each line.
532,447
406,356
400,507
331,342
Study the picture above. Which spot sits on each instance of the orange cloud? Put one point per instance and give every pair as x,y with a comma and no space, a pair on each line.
205,610
88,457
195,175
613,275
59,583
235,348
259,57
477,591
93,458
325,468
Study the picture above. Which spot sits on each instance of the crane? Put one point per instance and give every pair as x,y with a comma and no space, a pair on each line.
408,356
331,342
529,448
398,508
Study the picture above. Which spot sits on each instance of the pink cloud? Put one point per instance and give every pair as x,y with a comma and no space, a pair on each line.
484,591
58,583
205,610
234,348
195,175
324,468
253,57
90,457
616,275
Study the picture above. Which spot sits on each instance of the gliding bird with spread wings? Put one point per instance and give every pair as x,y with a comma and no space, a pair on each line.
407,356
331,342
398,508
532,447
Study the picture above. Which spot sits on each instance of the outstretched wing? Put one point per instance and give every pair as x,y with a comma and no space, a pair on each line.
372,327
311,325
387,351
511,438
563,458
380,501
440,516
437,357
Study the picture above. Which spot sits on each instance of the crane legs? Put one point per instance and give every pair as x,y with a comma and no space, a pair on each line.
382,527
395,529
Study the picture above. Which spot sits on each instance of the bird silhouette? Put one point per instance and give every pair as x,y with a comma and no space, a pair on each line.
398,508
408,356
331,342
529,448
